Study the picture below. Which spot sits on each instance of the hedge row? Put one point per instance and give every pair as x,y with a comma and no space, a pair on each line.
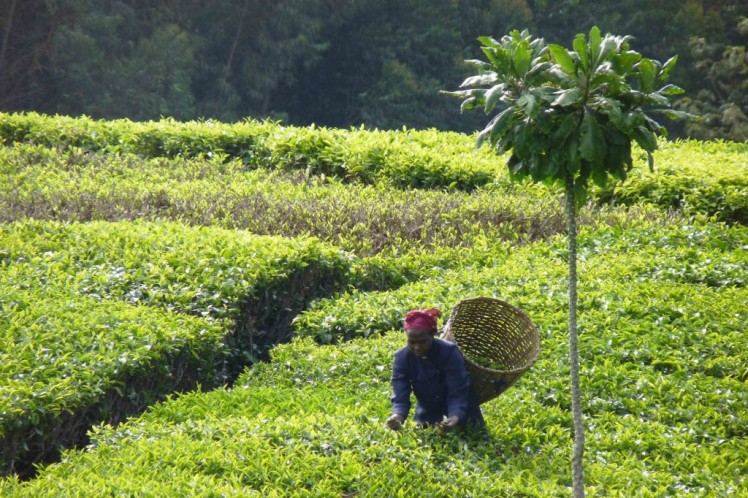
709,178
663,381
44,183
209,272
68,362
407,158
708,256
249,286
696,177
48,183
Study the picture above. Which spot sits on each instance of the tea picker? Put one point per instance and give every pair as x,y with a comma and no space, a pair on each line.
487,344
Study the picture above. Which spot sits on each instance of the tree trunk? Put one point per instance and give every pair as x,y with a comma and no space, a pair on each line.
576,407
4,78
235,43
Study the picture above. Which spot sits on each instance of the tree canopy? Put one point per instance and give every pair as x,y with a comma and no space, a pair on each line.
333,62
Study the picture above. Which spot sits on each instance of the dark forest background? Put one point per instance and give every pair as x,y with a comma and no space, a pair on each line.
338,63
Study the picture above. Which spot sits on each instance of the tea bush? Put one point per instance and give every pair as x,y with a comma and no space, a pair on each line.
68,362
708,178
430,221
165,138
209,272
709,256
400,234
70,185
407,158
242,286
311,422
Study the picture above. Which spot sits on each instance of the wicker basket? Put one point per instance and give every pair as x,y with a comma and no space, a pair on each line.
490,331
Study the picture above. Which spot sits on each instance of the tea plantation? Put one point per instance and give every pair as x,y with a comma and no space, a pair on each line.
148,270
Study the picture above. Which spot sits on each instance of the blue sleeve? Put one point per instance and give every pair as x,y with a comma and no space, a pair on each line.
458,384
401,387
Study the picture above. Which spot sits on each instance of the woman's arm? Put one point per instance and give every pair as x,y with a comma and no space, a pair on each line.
401,386
458,384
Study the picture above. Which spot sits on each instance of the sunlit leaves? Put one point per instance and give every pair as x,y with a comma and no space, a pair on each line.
601,88
493,95
497,126
135,301
594,45
522,57
665,382
667,67
562,57
568,97
581,49
647,75
625,61
667,400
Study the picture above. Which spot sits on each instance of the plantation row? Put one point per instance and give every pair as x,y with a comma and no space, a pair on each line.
709,259
101,319
427,159
694,177
664,385
79,346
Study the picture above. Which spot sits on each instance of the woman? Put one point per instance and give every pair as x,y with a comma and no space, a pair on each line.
433,370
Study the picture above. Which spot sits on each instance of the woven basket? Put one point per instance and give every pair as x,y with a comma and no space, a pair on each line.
490,331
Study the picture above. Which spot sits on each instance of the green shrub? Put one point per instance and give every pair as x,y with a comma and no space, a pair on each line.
712,256
696,177
709,178
661,318
404,159
248,286
165,138
311,423
73,185
251,280
68,361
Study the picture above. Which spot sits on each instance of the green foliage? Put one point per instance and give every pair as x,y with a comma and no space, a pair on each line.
667,399
335,62
665,382
723,100
206,272
74,185
689,178
568,117
241,286
68,361
568,114
534,277
408,158
164,138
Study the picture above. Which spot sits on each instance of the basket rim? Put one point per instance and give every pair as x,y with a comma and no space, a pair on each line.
533,329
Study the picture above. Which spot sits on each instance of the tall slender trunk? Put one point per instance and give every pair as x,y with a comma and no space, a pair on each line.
4,50
576,404
235,43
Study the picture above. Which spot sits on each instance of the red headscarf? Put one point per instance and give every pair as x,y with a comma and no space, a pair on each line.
422,320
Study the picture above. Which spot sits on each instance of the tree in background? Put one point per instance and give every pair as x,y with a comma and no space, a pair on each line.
332,62
145,59
568,117
105,59
723,103
387,61
25,43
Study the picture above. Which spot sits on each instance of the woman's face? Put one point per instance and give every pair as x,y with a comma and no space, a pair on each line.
419,342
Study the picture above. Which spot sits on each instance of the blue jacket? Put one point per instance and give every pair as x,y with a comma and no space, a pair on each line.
440,383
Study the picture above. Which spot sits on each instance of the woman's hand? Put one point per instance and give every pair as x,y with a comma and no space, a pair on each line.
448,423
395,422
